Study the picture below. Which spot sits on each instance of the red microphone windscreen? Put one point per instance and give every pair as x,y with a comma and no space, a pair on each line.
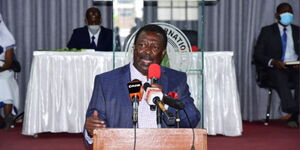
154,71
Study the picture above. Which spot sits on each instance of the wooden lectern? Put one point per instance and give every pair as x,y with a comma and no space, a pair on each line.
149,139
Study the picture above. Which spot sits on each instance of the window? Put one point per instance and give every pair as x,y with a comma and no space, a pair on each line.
177,10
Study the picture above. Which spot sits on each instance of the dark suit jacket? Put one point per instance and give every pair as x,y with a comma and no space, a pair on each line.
81,39
269,44
111,97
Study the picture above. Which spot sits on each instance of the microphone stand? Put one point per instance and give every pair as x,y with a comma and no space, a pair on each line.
158,111
158,116
135,105
177,118
167,116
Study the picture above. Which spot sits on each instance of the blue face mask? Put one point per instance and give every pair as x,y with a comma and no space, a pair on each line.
286,18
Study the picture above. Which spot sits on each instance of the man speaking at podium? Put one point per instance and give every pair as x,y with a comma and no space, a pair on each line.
111,107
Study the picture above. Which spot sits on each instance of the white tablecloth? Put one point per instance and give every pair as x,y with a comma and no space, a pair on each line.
222,113
61,84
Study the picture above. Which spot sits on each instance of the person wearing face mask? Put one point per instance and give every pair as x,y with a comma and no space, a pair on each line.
277,44
93,35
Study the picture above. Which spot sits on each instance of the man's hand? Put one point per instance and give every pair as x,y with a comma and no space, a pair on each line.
94,122
278,64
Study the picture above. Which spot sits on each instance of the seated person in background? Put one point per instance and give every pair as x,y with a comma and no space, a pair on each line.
9,90
110,105
279,43
93,35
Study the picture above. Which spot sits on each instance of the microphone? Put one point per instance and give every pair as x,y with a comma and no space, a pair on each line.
172,102
167,116
152,92
134,88
153,97
154,73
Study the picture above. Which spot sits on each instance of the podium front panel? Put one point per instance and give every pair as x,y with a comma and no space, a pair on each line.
149,139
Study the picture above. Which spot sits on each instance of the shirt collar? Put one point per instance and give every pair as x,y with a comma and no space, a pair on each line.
135,74
288,27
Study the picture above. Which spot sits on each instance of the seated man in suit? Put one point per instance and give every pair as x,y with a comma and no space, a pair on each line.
110,105
92,36
277,44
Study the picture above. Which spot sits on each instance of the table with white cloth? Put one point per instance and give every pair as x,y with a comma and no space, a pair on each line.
61,84
222,113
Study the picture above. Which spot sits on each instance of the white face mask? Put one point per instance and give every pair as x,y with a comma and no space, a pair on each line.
94,28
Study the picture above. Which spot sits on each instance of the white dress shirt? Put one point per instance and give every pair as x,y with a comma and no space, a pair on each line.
95,35
290,54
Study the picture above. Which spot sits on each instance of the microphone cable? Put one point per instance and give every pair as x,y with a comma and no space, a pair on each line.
193,143
134,138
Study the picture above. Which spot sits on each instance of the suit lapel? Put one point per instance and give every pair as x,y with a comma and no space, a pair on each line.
101,38
163,81
277,39
124,90
87,37
296,38
125,79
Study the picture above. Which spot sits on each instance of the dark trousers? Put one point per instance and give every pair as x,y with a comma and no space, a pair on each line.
283,81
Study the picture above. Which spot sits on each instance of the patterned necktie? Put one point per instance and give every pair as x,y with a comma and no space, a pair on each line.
93,44
284,42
